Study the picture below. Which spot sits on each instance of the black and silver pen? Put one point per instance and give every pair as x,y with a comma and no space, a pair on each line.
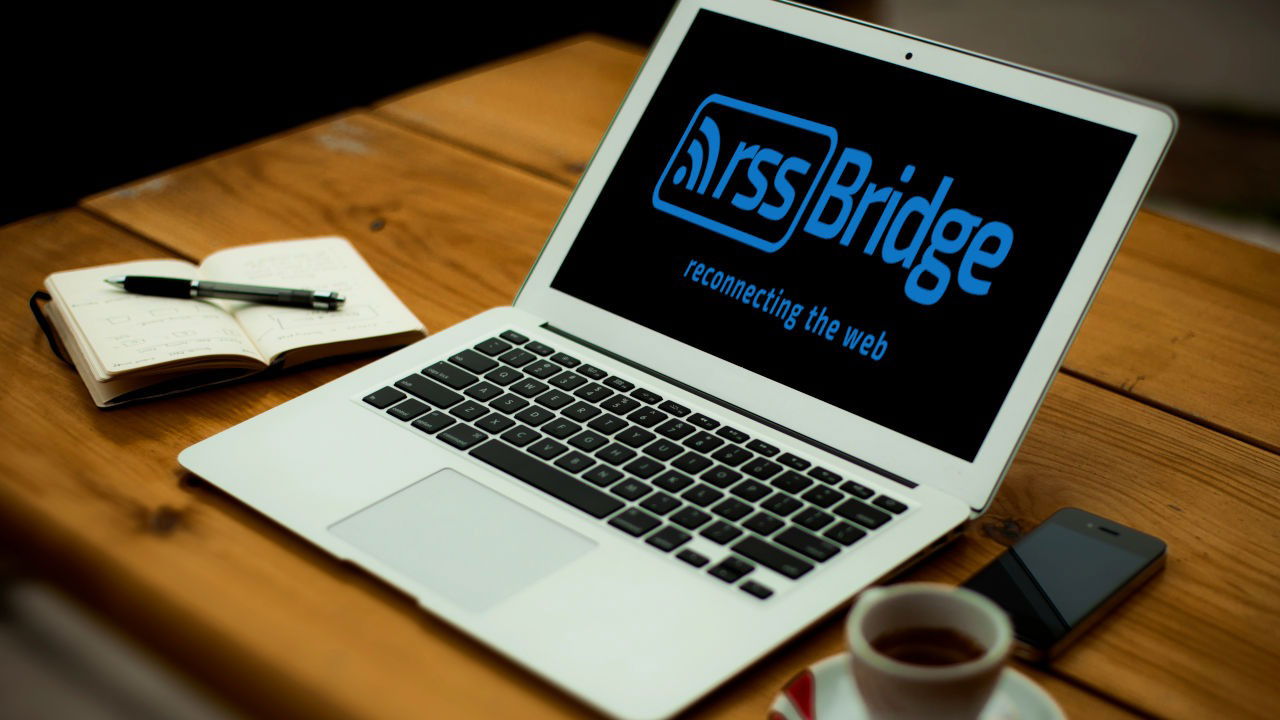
182,288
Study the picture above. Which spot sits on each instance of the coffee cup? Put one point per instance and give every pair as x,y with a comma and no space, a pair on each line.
925,651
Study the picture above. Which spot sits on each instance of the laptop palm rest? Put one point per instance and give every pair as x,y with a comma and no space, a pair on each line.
461,540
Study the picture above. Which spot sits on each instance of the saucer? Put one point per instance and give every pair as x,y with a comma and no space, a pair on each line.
826,691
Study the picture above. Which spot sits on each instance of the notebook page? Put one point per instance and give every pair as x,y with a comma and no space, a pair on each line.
324,264
119,331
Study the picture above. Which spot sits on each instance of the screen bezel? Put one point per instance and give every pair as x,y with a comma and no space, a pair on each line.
973,482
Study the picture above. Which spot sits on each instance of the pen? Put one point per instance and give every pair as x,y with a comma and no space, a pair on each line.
182,288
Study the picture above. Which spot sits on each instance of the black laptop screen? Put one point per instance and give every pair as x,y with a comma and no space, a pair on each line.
881,239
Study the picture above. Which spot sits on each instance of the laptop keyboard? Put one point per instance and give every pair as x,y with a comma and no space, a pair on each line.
648,466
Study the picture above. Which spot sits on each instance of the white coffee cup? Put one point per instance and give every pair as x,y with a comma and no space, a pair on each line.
897,690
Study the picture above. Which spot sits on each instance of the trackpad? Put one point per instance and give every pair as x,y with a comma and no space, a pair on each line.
462,540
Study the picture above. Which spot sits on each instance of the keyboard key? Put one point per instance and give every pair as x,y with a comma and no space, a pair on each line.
495,423
607,423
702,495
731,455
668,538
732,509
720,532
647,417
503,376
823,496
792,482
691,462
845,534
483,391
704,422
538,348
750,490
542,369
575,462
535,415
660,503
451,375
861,492
732,434
469,410
528,387
751,587
693,558
862,513
646,396
673,481
462,436
674,408
408,410
772,557
634,521
509,403
643,467
690,517
631,489
493,346
593,392
889,504
674,429
812,518
521,435
547,448
731,569
806,544
762,447
429,390
565,360
581,411
514,337
560,428
824,475
781,504
703,442
568,380
721,477
615,454
384,398
620,404
634,436
593,372
433,421
762,523
554,399
761,469
792,461
619,384
517,357
663,449
548,479
603,475
589,441
473,361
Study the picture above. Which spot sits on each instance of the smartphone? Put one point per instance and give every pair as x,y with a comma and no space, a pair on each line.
1065,575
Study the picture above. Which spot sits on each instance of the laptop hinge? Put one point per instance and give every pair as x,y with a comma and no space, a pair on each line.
733,408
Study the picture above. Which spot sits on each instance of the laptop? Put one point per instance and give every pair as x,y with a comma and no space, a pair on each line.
783,341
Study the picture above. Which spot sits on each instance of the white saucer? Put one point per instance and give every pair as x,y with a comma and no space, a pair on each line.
826,691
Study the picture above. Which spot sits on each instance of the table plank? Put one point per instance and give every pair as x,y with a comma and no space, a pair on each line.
1211,497
1186,320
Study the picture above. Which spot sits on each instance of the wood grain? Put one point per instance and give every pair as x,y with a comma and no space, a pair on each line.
1183,321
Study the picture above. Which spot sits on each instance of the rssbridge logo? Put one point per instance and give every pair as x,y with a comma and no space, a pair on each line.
767,176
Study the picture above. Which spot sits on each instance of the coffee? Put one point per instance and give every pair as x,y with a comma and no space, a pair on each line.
928,646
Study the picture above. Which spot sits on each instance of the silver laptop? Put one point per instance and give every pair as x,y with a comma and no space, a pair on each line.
784,340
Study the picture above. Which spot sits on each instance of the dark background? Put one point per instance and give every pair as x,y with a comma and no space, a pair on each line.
949,365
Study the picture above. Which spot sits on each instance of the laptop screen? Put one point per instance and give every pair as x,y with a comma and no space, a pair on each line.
881,239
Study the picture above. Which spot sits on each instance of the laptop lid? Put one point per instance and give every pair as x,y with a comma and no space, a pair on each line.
879,243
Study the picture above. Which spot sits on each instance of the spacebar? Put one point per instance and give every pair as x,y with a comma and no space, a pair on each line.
547,479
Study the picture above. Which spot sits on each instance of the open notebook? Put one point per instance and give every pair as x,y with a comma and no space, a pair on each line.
132,347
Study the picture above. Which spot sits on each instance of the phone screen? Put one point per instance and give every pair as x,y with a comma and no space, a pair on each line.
1054,578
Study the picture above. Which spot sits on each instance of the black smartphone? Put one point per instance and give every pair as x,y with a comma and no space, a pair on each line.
1061,578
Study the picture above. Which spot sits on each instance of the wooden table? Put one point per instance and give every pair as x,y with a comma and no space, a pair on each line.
1163,417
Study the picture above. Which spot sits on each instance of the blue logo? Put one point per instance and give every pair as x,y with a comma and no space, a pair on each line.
745,171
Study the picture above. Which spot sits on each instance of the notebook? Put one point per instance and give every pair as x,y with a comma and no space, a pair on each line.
130,347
